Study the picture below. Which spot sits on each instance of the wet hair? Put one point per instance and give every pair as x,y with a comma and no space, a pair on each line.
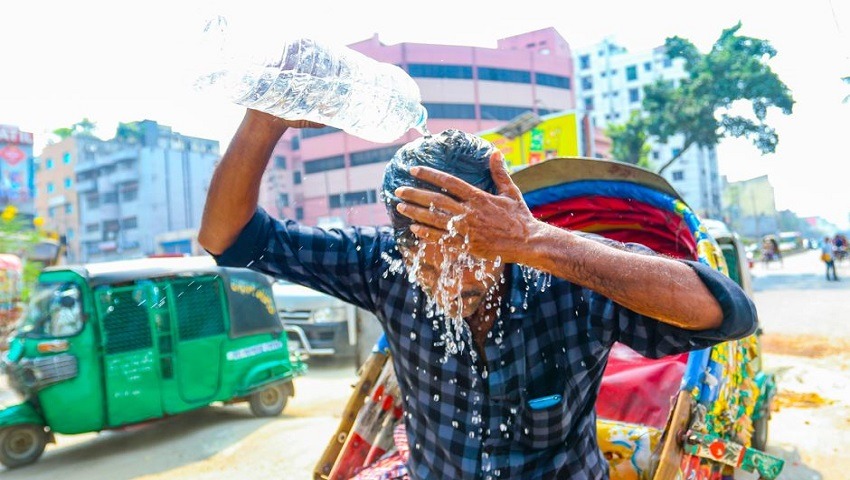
457,153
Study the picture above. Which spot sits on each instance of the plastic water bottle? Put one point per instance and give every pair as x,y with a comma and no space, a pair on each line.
329,84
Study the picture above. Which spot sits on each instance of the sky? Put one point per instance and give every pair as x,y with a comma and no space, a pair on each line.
119,61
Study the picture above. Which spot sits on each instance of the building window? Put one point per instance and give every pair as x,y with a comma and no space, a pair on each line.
68,182
647,66
667,62
129,194
450,110
69,208
280,162
66,158
678,175
655,155
92,227
48,164
587,83
50,212
676,151
424,70
501,112
634,95
631,72
282,200
557,81
588,103
313,132
49,187
324,164
349,199
299,213
504,75
92,201
109,197
584,62
296,177
377,155
69,233
129,223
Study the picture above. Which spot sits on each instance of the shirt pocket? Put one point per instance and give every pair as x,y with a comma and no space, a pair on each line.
546,427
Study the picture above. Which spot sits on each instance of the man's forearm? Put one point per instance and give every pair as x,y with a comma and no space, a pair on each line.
235,186
654,286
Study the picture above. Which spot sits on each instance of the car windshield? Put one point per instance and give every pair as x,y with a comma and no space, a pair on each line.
53,311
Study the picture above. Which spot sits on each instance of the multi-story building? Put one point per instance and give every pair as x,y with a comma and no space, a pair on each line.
609,85
145,182
56,202
751,206
328,177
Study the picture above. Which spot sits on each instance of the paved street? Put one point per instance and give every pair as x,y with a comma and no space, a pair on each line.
803,316
806,320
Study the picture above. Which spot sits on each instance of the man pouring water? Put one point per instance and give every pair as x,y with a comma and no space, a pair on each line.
499,324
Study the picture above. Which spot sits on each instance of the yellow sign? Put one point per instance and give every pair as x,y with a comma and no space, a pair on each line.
556,136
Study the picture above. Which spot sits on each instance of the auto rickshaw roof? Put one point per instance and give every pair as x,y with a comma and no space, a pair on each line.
122,271
559,170
620,201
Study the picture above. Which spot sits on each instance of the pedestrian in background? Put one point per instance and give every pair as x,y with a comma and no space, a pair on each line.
827,255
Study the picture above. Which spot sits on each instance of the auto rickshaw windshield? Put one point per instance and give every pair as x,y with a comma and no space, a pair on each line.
54,311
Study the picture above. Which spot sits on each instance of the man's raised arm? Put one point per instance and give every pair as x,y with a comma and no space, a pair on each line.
235,186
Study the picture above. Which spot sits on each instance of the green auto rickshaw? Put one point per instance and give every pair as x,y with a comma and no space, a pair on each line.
110,344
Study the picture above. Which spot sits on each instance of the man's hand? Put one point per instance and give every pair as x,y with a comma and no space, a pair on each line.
492,226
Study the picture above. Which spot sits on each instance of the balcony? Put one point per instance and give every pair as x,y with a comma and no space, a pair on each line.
89,185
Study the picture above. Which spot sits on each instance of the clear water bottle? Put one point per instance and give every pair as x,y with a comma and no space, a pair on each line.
324,83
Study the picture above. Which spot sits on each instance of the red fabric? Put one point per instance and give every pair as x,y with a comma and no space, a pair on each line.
637,389
623,220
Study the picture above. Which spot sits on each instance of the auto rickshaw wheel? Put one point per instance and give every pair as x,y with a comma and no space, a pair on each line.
21,445
270,401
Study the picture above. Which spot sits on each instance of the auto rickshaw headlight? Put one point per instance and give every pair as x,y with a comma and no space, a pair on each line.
328,314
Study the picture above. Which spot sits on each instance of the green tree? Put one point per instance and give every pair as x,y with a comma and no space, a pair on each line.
699,106
629,141
128,132
83,127
19,238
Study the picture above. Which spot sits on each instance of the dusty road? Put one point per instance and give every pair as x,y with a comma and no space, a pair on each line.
807,339
806,320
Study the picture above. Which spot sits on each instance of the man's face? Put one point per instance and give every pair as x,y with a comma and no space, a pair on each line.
456,281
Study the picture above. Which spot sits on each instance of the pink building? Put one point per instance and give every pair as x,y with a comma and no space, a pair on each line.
328,177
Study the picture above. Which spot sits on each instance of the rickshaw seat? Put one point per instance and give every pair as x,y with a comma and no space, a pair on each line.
636,389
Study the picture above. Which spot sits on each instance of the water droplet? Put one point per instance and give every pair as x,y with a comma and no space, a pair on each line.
413,335
436,397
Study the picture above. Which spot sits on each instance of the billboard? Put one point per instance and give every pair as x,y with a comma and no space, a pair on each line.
557,135
16,168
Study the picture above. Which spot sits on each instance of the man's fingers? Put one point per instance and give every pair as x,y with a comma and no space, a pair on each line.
449,183
428,198
434,235
499,171
426,216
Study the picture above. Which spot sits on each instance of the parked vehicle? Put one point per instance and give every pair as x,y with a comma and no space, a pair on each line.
321,325
696,415
106,345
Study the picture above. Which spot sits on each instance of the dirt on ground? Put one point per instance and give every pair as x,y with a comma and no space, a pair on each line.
811,346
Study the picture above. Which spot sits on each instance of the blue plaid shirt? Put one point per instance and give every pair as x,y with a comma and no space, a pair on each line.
476,423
